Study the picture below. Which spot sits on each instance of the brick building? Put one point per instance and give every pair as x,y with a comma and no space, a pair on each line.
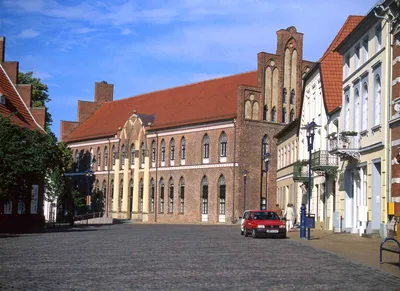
16,103
181,154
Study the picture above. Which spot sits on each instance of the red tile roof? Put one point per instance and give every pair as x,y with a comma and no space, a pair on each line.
209,100
15,107
332,66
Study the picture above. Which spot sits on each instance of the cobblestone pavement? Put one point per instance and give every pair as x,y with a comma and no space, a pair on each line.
175,257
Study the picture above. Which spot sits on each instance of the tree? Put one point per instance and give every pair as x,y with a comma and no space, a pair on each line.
40,97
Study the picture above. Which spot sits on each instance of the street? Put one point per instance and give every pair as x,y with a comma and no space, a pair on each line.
175,257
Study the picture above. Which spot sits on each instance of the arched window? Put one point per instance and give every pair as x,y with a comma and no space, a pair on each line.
98,158
204,195
130,195
206,147
172,146
182,195
273,114
247,110
222,194
162,187
223,142
121,194
255,111
183,148
105,156
91,158
291,115
152,195
162,151
141,195
104,196
171,196
114,152
284,93
346,111
133,154
153,151
264,146
112,194
365,106
356,115
284,115
292,97
377,100
143,154
123,155
265,112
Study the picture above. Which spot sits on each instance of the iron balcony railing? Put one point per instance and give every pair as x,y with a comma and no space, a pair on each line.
345,141
322,159
300,171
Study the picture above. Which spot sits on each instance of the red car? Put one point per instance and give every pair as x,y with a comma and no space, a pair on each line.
262,223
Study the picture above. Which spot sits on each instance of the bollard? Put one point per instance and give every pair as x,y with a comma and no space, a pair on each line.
303,221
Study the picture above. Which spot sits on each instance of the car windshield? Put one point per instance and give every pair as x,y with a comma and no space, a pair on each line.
266,216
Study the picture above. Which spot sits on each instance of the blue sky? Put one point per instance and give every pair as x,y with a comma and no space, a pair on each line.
146,45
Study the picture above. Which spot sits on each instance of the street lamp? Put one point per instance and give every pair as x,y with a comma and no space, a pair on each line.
244,193
310,132
89,174
265,200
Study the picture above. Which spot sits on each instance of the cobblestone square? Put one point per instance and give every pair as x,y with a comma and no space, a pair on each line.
175,257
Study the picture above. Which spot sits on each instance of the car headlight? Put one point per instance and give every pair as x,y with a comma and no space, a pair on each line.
260,226
282,226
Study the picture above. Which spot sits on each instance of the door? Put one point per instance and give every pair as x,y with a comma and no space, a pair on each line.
376,194
348,205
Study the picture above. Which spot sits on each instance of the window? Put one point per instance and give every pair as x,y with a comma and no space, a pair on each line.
204,195
98,157
153,151
378,37
182,195
291,115
265,112
284,115
91,153
114,153
183,148
273,114
356,121
132,154
222,193
123,155
152,195
279,159
292,97
346,111
161,195
357,56
105,156
162,151
377,100
141,195
365,106
104,191
365,49
143,153
264,146
130,195
172,145
171,196
284,93
121,194
223,144
347,66
206,147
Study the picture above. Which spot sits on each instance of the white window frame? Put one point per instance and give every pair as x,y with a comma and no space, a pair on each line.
378,37
365,43
377,99
364,113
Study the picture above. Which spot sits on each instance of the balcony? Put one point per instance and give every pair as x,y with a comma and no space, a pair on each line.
300,171
324,162
346,145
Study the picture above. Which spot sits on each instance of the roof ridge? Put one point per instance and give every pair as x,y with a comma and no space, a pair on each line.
180,86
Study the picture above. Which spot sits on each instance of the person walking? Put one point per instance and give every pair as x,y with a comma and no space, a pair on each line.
278,210
289,214
294,215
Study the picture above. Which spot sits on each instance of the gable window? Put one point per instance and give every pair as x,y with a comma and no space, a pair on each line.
284,115
204,195
132,154
292,97
273,114
365,106
161,195
284,93
222,193
98,158
153,151
152,195
357,56
265,112
162,151
365,49
171,196
182,196
172,145
183,149
143,154
105,156
378,37
223,141
377,100
291,115
206,148
123,155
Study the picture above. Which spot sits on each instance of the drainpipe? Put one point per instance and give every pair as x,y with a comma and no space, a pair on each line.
234,170
388,109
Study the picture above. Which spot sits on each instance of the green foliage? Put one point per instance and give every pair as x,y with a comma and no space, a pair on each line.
79,200
40,97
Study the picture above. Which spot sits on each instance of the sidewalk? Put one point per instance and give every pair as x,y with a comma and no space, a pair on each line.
352,247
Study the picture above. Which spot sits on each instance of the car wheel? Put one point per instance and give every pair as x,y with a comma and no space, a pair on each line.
253,233
245,232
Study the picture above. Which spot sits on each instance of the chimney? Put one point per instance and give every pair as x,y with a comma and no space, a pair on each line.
103,92
2,48
39,113
25,90
66,128
11,69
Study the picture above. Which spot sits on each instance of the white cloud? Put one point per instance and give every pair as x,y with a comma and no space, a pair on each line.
28,33
42,75
126,31
84,30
